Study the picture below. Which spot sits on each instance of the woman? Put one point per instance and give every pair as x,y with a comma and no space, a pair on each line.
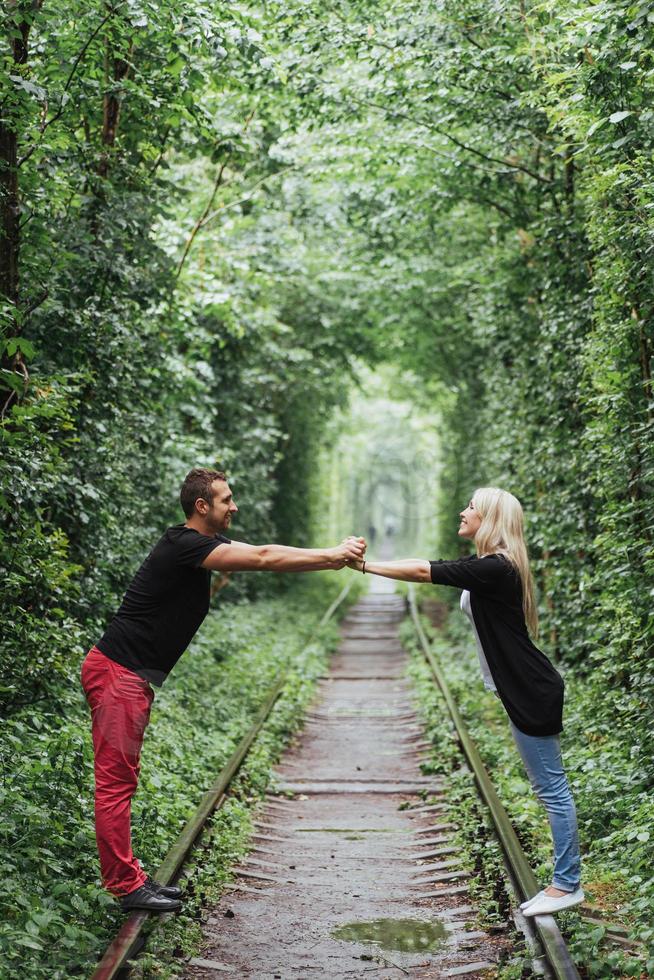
498,598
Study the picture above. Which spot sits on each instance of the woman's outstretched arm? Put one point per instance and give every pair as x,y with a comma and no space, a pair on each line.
405,570
482,575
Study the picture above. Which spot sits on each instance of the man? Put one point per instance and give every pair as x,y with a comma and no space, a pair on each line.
161,611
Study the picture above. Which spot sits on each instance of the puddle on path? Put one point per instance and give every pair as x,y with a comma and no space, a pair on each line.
403,935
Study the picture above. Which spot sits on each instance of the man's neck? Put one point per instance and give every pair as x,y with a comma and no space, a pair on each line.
196,523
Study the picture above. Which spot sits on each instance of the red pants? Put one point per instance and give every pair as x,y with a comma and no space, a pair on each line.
120,703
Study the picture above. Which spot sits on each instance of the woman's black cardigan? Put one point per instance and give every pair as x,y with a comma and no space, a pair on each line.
530,688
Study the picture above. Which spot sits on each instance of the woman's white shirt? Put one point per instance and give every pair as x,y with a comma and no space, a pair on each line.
489,683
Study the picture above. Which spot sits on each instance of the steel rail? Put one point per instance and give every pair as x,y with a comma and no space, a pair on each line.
554,945
336,603
129,940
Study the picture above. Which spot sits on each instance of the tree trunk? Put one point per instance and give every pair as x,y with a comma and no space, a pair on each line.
9,200
10,211
10,242
112,104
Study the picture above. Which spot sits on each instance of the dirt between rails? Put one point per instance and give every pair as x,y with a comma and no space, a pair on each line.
353,872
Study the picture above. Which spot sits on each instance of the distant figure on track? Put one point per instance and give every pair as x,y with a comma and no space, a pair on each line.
161,611
498,598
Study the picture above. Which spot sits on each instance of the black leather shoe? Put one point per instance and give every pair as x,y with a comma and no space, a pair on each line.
170,891
147,899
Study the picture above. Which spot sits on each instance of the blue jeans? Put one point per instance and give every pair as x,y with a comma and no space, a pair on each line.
542,758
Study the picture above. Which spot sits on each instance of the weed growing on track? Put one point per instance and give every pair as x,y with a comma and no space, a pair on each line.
56,918
607,795
474,837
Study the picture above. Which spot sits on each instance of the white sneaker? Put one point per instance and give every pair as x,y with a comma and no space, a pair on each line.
528,901
549,905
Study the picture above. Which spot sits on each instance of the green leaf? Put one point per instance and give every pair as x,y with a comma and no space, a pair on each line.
29,942
14,344
596,125
617,117
176,66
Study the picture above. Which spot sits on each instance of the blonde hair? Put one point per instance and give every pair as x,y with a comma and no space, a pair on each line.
501,532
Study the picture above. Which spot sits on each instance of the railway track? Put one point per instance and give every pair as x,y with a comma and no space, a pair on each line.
354,868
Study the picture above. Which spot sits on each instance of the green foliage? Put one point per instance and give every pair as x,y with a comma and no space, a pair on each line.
40,582
130,350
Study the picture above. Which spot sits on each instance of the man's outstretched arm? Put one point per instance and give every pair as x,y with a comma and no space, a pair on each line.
239,557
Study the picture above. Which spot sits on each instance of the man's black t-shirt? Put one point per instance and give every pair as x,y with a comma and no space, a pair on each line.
163,606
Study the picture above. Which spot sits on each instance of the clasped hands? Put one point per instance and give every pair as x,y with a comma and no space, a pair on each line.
351,551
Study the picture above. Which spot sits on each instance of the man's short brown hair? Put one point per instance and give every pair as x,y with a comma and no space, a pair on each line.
197,485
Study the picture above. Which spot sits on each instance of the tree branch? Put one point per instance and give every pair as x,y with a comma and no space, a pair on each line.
162,147
203,217
68,83
19,366
202,220
248,195
453,139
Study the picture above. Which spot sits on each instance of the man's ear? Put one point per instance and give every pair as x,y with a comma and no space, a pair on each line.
201,506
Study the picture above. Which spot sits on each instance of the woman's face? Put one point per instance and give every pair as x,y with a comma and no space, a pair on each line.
470,522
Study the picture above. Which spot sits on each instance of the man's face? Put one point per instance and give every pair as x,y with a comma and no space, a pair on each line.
219,514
